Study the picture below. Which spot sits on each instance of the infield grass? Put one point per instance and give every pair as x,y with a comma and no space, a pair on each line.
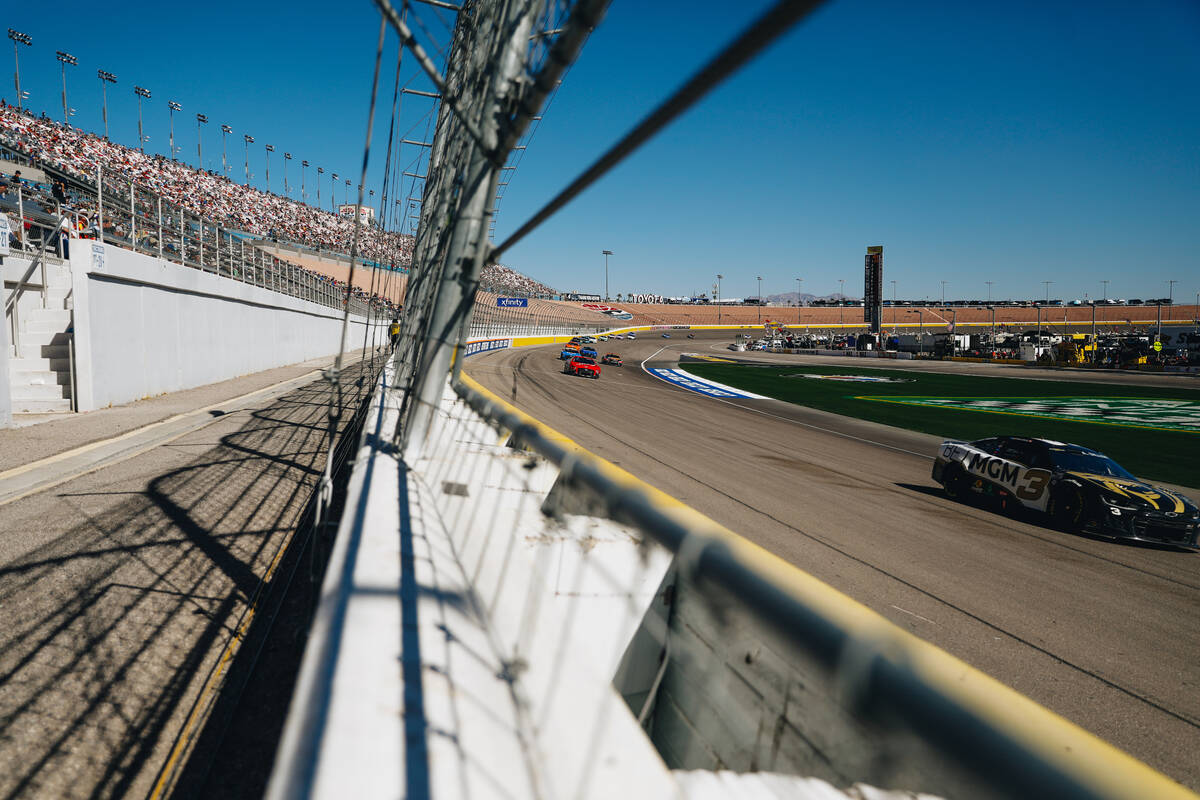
1165,455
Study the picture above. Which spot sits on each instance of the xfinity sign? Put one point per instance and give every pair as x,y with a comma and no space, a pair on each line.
512,302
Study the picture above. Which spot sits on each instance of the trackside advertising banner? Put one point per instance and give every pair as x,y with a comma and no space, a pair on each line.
512,302
486,345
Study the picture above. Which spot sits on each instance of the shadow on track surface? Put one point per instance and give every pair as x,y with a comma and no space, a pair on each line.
113,628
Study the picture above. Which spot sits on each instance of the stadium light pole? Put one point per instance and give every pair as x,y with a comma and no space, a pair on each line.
893,304
944,292
270,149
141,93
201,119
346,194
105,79
719,279
1047,285
989,285
173,106
225,130
332,190
606,253
1105,291
286,158
799,300
248,139
65,59
18,38
303,193
320,172
759,299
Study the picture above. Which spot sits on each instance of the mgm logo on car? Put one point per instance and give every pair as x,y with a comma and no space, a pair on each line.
1172,415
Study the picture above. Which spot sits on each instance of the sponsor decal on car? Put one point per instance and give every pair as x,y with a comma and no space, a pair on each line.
1172,415
848,378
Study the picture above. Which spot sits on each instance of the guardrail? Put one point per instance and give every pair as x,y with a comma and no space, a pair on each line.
889,676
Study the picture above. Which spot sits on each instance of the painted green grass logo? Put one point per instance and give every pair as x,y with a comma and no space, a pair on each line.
1173,415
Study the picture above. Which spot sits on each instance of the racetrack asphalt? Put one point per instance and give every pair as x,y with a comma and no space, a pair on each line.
1103,633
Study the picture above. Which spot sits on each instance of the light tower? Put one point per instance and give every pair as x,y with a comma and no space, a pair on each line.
303,193
759,298
200,120
332,189
18,38
225,131
248,139
270,149
65,59
320,172
173,107
286,158
606,254
141,93
105,79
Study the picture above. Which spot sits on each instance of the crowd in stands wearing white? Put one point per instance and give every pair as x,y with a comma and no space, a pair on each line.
210,195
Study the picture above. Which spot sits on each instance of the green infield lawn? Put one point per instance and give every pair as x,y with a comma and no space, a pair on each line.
1153,432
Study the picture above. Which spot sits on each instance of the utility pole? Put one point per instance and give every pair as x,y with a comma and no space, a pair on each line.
65,59
606,253
141,93
18,38
105,79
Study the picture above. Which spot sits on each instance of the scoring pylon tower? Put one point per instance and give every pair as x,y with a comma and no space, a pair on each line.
873,289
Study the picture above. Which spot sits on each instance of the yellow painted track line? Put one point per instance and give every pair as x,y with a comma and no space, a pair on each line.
1091,761
184,741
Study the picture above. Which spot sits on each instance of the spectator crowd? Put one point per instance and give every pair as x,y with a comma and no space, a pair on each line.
78,154
205,194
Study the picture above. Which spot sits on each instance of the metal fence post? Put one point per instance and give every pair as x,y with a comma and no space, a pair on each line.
160,231
100,203
132,219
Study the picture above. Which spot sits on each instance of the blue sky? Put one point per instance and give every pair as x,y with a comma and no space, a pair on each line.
1012,142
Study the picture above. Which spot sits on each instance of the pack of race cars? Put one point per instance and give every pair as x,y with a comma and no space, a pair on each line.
582,359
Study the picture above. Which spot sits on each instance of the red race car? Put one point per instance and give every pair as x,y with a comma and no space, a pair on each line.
612,358
582,365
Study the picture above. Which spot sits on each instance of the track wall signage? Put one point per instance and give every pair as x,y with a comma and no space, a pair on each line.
512,302
486,345
1172,415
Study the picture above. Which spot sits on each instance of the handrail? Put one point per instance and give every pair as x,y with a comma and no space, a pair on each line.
1018,746
20,290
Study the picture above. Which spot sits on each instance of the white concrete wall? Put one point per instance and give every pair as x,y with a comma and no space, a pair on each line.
144,327
5,352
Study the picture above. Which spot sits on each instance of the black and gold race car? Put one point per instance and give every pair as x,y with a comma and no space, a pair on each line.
1080,489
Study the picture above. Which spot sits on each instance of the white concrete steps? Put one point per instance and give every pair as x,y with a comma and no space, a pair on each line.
40,374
